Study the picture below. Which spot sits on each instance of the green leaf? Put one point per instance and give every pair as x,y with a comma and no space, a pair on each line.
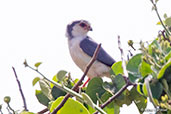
56,92
70,107
144,88
61,75
168,56
145,69
168,21
116,109
112,107
133,67
95,87
117,68
134,63
105,97
156,89
123,99
167,75
133,77
25,112
163,69
155,44
35,80
45,87
76,80
111,88
165,15
139,89
87,99
54,79
42,98
168,49
90,109
38,64
139,100
156,1
119,81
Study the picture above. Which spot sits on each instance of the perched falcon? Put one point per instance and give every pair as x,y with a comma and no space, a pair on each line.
82,48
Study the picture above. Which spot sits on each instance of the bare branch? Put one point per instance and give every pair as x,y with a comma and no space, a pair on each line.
114,96
122,57
43,111
79,82
155,8
20,89
128,83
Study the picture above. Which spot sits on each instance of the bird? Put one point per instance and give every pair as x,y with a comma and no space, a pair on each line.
82,48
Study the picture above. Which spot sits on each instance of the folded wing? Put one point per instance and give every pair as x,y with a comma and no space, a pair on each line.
89,46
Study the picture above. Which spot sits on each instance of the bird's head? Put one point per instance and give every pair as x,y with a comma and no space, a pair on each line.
78,29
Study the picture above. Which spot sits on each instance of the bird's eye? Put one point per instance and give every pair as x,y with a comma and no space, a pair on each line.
83,25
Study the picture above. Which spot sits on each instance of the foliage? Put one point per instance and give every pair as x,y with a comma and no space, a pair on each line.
149,75
71,106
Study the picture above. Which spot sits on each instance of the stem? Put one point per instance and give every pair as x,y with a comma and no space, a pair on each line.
128,83
67,90
122,57
20,89
11,108
79,82
155,8
43,111
8,110
63,88
115,96
149,93
166,88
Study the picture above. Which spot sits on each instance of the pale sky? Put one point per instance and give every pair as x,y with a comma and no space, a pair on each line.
35,30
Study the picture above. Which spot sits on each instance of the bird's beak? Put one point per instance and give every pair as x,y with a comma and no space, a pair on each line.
90,29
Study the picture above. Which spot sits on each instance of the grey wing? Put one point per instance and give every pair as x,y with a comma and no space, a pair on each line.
89,46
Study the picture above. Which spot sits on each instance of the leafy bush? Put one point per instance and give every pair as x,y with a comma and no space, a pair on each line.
148,73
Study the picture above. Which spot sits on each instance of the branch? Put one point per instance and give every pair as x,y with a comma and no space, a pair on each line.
122,57
10,108
63,88
149,93
128,83
155,8
43,111
21,92
79,82
115,96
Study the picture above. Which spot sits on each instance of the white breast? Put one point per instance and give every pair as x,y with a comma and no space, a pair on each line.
81,59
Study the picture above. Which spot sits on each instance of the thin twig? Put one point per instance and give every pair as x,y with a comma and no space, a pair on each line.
79,82
163,34
10,108
155,8
122,58
128,83
20,89
63,88
115,96
149,93
43,111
